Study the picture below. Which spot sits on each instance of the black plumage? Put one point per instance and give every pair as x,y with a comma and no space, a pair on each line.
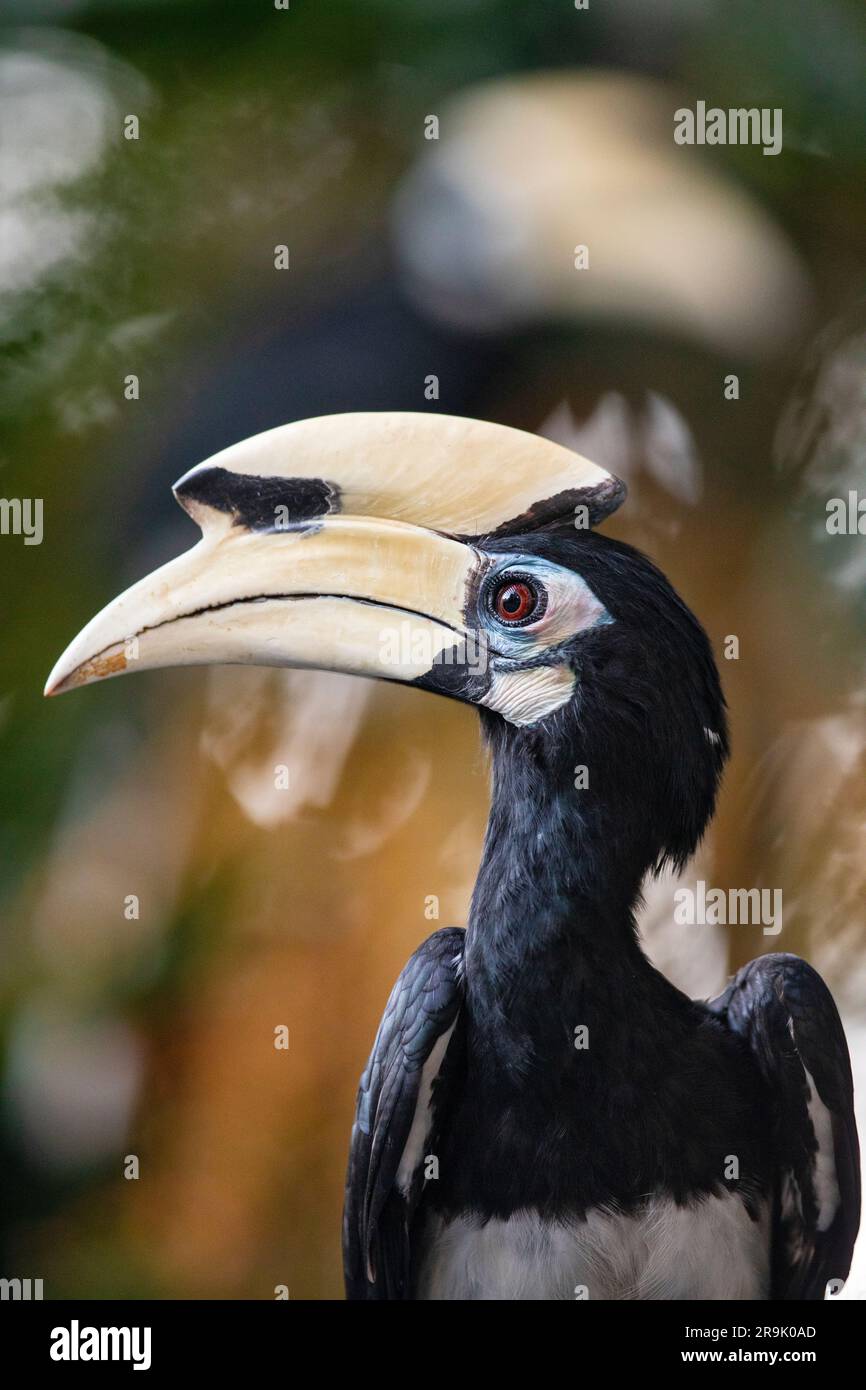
669,1090
784,1011
377,1220
543,1115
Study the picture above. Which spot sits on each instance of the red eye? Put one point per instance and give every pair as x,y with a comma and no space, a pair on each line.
514,601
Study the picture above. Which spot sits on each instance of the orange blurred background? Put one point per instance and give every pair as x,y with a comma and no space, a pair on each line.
147,1028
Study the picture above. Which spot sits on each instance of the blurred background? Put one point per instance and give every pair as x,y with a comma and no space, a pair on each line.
431,167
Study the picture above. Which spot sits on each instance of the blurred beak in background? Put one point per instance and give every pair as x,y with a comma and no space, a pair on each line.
530,170
326,538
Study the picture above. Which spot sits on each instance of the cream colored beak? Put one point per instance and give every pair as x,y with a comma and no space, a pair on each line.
344,543
370,598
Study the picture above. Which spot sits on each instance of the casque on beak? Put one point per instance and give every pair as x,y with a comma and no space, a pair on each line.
343,543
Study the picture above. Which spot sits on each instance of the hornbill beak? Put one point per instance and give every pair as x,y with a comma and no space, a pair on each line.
349,543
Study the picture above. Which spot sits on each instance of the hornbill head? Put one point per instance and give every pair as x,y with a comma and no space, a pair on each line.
458,556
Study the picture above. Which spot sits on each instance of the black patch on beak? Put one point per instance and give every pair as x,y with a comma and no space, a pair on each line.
260,504
461,672
599,501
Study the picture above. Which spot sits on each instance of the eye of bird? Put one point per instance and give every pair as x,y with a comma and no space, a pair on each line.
516,599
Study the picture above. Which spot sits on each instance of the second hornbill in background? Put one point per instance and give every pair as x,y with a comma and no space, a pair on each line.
543,1115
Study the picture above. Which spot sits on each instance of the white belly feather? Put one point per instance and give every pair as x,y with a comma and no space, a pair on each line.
710,1250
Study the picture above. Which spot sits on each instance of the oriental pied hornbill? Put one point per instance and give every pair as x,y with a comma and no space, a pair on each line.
685,1150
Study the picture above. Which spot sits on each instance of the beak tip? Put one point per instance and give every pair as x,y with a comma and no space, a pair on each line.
57,683
67,676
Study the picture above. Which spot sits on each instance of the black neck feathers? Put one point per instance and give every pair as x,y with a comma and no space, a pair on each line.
551,928
577,1067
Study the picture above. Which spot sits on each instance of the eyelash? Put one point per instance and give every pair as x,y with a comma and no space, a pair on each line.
511,578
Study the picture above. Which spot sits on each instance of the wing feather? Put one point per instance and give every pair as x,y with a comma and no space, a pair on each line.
783,1010
377,1217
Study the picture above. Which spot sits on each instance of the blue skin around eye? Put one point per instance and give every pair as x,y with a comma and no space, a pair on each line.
522,642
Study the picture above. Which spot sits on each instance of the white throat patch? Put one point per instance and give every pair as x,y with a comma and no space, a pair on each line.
524,697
